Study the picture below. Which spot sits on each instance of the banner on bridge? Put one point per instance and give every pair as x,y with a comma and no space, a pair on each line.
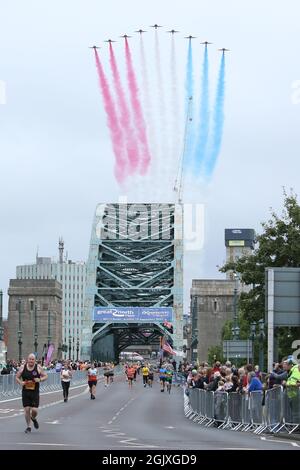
132,314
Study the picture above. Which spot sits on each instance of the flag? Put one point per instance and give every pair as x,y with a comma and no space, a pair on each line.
168,349
49,353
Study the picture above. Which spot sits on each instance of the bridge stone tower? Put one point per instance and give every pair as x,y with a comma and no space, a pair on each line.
135,260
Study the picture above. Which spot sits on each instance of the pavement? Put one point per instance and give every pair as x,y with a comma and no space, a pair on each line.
120,418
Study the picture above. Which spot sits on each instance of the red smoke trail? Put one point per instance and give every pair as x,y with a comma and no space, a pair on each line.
131,144
137,111
113,123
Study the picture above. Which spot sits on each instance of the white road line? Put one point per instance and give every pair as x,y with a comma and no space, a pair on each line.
119,411
287,441
46,406
45,444
236,448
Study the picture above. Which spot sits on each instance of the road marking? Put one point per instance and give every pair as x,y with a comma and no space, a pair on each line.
52,422
119,411
287,441
236,448
169,427
47,405
7,410
45,444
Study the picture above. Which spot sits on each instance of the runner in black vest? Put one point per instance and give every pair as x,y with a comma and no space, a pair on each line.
29,376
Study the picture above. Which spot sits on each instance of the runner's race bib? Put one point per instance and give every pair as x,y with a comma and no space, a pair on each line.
29,385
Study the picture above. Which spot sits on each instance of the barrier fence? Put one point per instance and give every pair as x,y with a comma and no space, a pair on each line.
275,410
10,389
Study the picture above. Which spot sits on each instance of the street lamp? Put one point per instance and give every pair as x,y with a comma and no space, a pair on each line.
1,326
49,328
70,346
235,294
235,330
35,331
261,336
77,349
19,307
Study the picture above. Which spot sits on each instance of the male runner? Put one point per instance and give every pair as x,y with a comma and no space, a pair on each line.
29,376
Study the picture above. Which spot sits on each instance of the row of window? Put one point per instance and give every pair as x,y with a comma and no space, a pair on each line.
77,321
81,295
74,304
73,333
69,278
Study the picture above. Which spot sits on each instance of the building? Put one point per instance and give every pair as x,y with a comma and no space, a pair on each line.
239,242
212,304
72,276
214,301
135,261
34,317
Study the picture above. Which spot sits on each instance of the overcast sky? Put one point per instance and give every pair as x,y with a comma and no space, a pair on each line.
55,148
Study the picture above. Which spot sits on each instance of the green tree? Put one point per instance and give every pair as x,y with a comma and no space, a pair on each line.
215,353
277,246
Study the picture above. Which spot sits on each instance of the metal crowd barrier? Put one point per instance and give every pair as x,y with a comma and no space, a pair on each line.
10,389
178,378
273,411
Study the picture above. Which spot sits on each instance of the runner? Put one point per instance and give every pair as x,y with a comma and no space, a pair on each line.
169,377
145,373
150,376
29,376
66,375
92,380
162,377
130,375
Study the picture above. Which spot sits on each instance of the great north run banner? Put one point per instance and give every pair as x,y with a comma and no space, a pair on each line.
132,314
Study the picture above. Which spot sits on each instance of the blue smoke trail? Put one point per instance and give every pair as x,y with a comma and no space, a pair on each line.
201,144
218,118
189,88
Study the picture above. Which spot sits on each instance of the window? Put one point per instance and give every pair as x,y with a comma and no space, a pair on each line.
31,302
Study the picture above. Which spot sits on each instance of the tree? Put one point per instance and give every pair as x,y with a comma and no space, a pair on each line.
277,246
215,353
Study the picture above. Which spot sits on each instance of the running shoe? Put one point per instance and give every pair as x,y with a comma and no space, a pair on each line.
35,423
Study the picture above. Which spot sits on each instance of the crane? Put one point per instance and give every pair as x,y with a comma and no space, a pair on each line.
179,177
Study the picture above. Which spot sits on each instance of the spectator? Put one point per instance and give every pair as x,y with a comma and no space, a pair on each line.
254,384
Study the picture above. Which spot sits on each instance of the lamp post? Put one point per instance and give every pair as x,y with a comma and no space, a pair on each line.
253,336
19,308
235,330
235,294
261,335
49,328
70,346
35,331
1,325
77,349
194,337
